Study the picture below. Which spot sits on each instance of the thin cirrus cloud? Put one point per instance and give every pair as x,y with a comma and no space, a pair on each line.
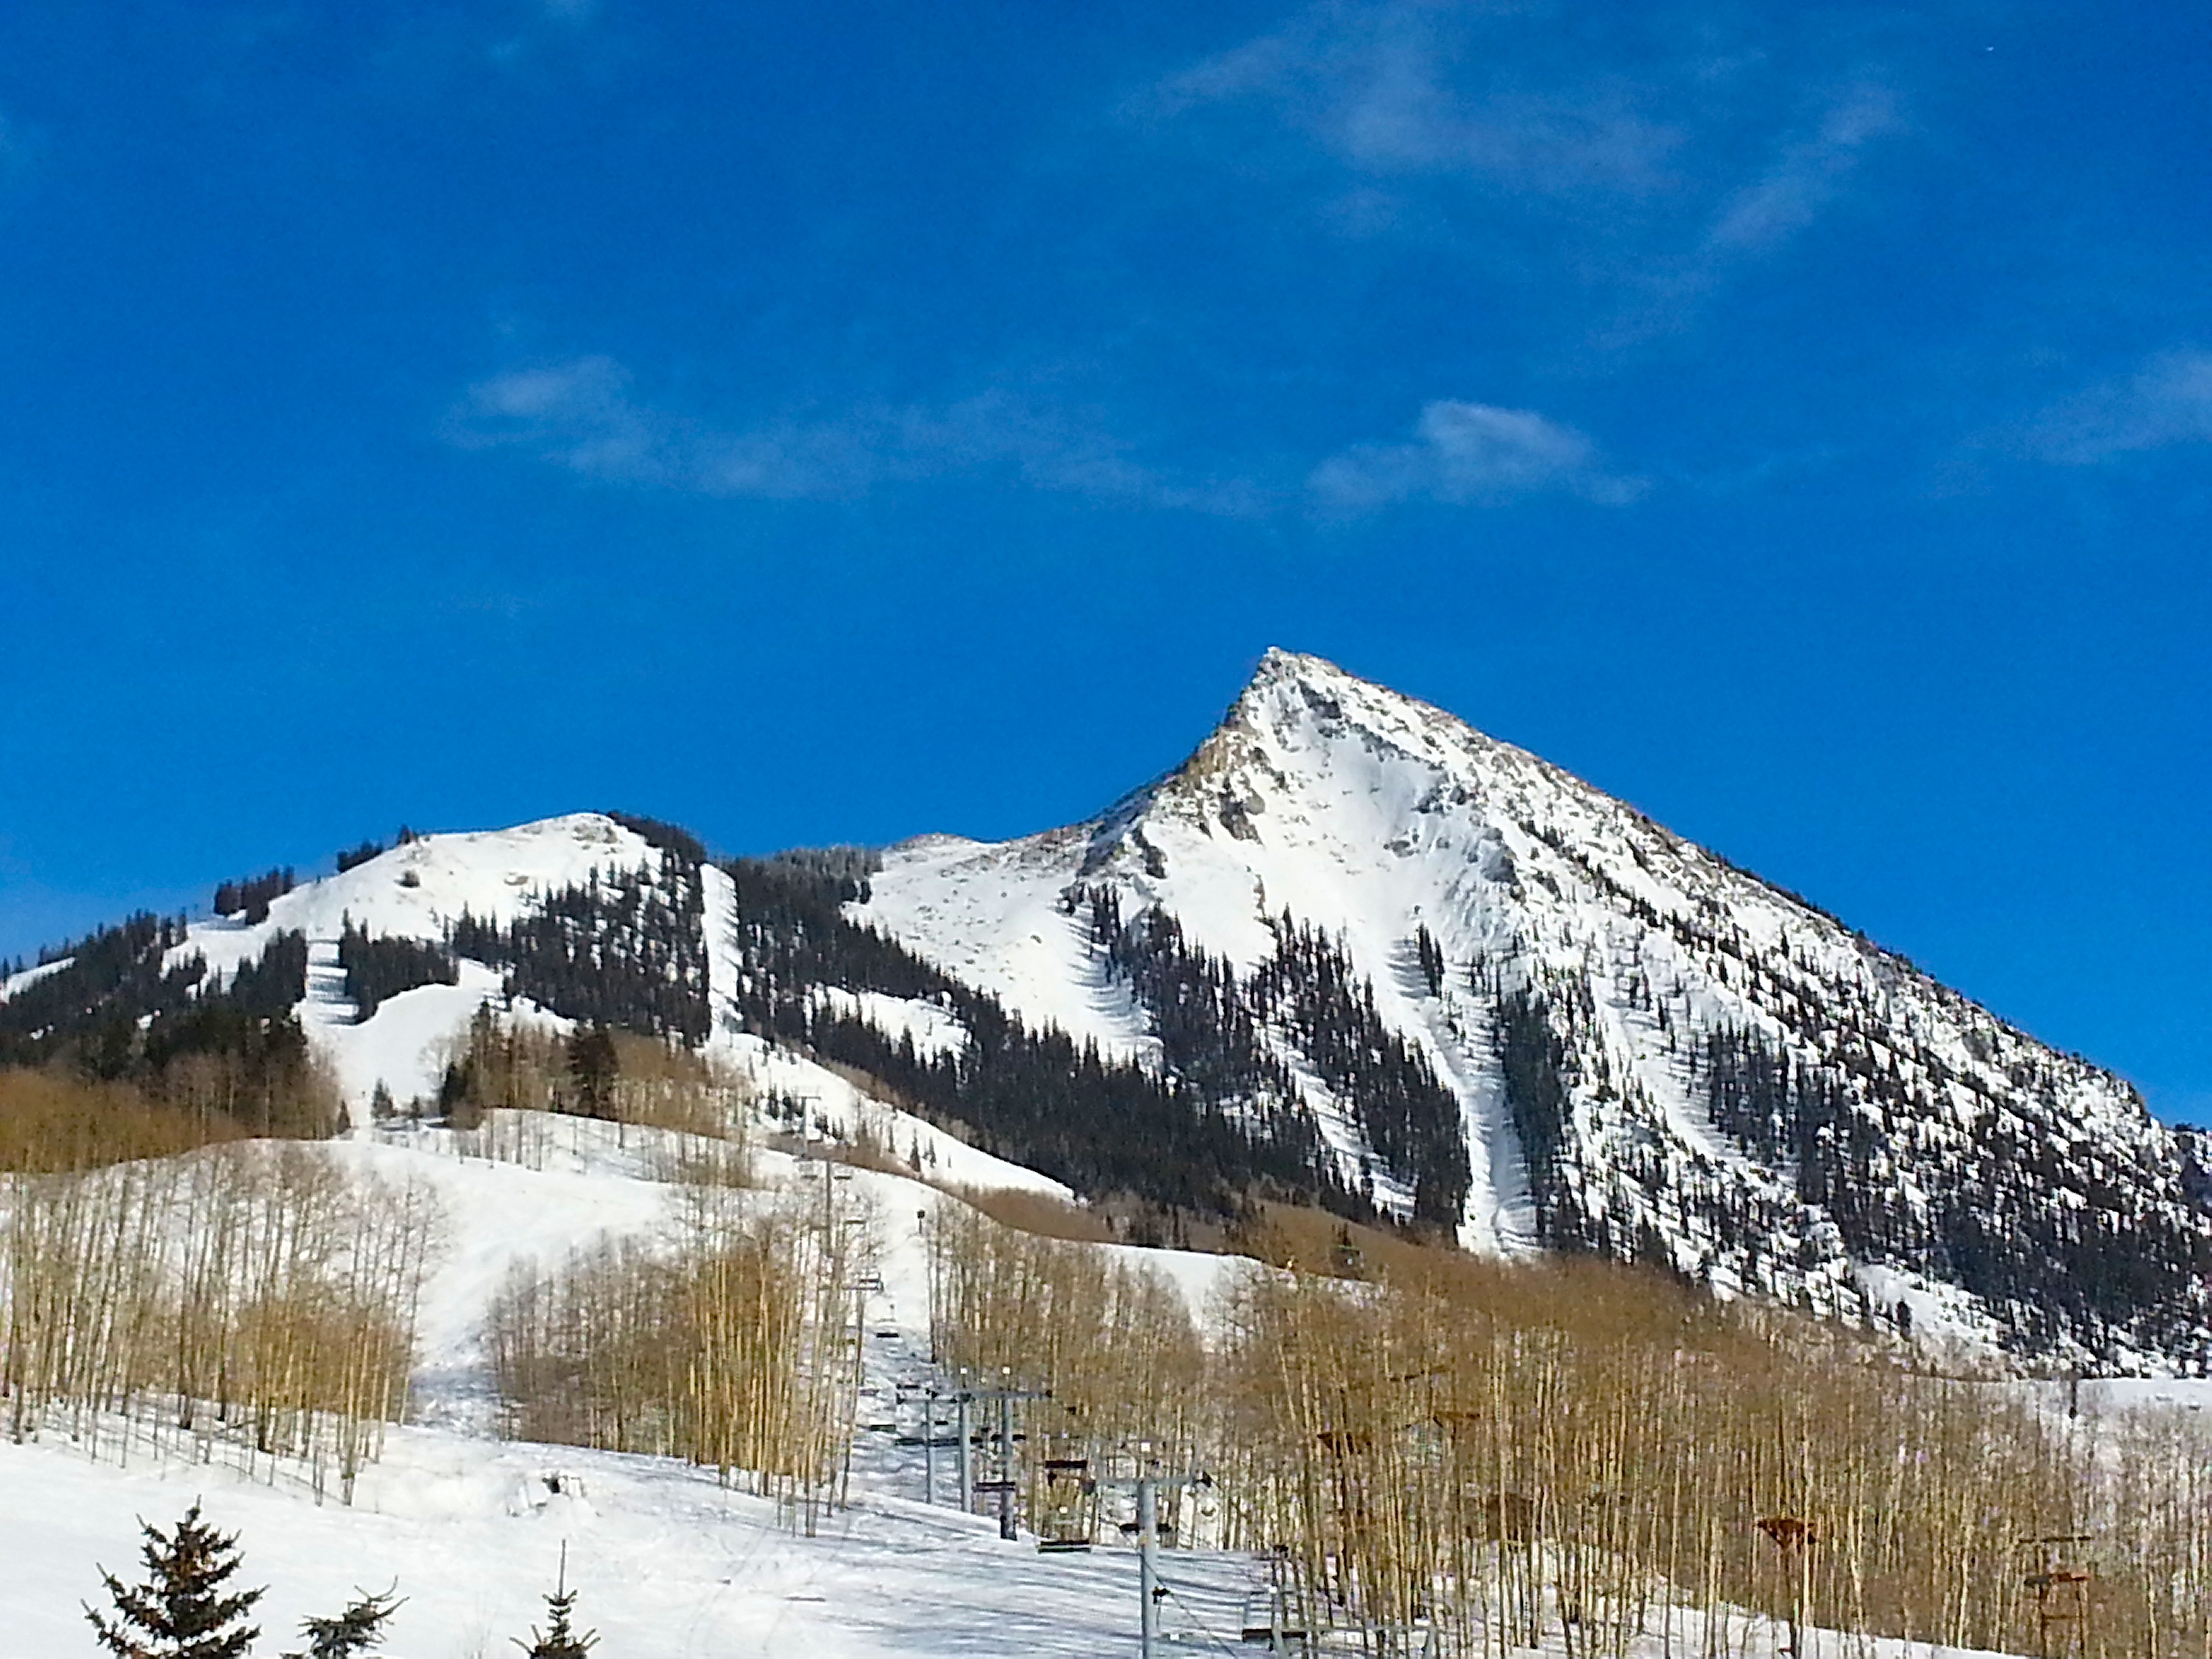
1468,454
2166,400
1373,84
582,415
1806,174
1662,163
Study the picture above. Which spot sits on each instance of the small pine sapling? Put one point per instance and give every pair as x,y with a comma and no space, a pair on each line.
181,1611
560,1640
357,1629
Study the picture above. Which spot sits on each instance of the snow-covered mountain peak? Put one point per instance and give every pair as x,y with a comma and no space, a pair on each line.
1351,950
1306,737
1653,1052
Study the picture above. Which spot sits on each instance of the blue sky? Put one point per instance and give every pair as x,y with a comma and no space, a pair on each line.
838,422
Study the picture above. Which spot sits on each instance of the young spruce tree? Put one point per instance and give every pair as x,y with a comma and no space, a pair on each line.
560,1640
356,1630
182,1611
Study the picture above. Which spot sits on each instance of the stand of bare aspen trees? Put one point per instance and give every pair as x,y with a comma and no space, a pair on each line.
1112,1340
736,1347
517,1097
1468,1458
252,1301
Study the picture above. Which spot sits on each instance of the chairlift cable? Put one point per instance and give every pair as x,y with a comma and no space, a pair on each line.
1204,1628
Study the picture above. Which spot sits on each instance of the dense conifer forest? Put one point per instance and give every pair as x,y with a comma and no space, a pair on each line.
2055,1245
249,899
1223,1036
118,1013
624,948
383,966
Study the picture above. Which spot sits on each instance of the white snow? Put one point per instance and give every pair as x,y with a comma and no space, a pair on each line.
934,1031
668,1563
12,983
404,1044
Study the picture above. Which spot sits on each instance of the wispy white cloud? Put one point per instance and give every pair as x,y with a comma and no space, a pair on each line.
2166,400
1806,174
1466,454
1375,85
1663,158
583,415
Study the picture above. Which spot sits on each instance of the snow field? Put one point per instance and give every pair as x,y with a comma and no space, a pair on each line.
669,1562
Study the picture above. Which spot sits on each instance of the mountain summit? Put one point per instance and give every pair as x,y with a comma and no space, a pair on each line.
1351,952
1649,1052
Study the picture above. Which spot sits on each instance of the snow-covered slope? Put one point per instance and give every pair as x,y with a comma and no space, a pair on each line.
1425,972
1653,1054
668,1560
418,890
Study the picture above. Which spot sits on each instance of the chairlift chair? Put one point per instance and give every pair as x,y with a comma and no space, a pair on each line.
1064,1528
1269,1624
1274,1612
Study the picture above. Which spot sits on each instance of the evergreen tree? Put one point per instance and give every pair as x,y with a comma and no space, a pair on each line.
560,1640
379,969
355,1630
1431,956
358,856
592,1066
181,1611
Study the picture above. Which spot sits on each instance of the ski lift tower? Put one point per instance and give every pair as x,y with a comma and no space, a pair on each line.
1795,1536
2061,1582
1147,1484
1004,1483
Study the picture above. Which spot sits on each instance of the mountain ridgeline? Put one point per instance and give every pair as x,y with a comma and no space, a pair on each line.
1354,954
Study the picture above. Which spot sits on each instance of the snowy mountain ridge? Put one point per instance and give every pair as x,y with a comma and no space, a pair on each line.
1655,1054
1352,951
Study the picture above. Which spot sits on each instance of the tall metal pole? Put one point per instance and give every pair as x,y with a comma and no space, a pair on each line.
1146,1484
1148,1570
1006,1463
966,1483
929,1448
